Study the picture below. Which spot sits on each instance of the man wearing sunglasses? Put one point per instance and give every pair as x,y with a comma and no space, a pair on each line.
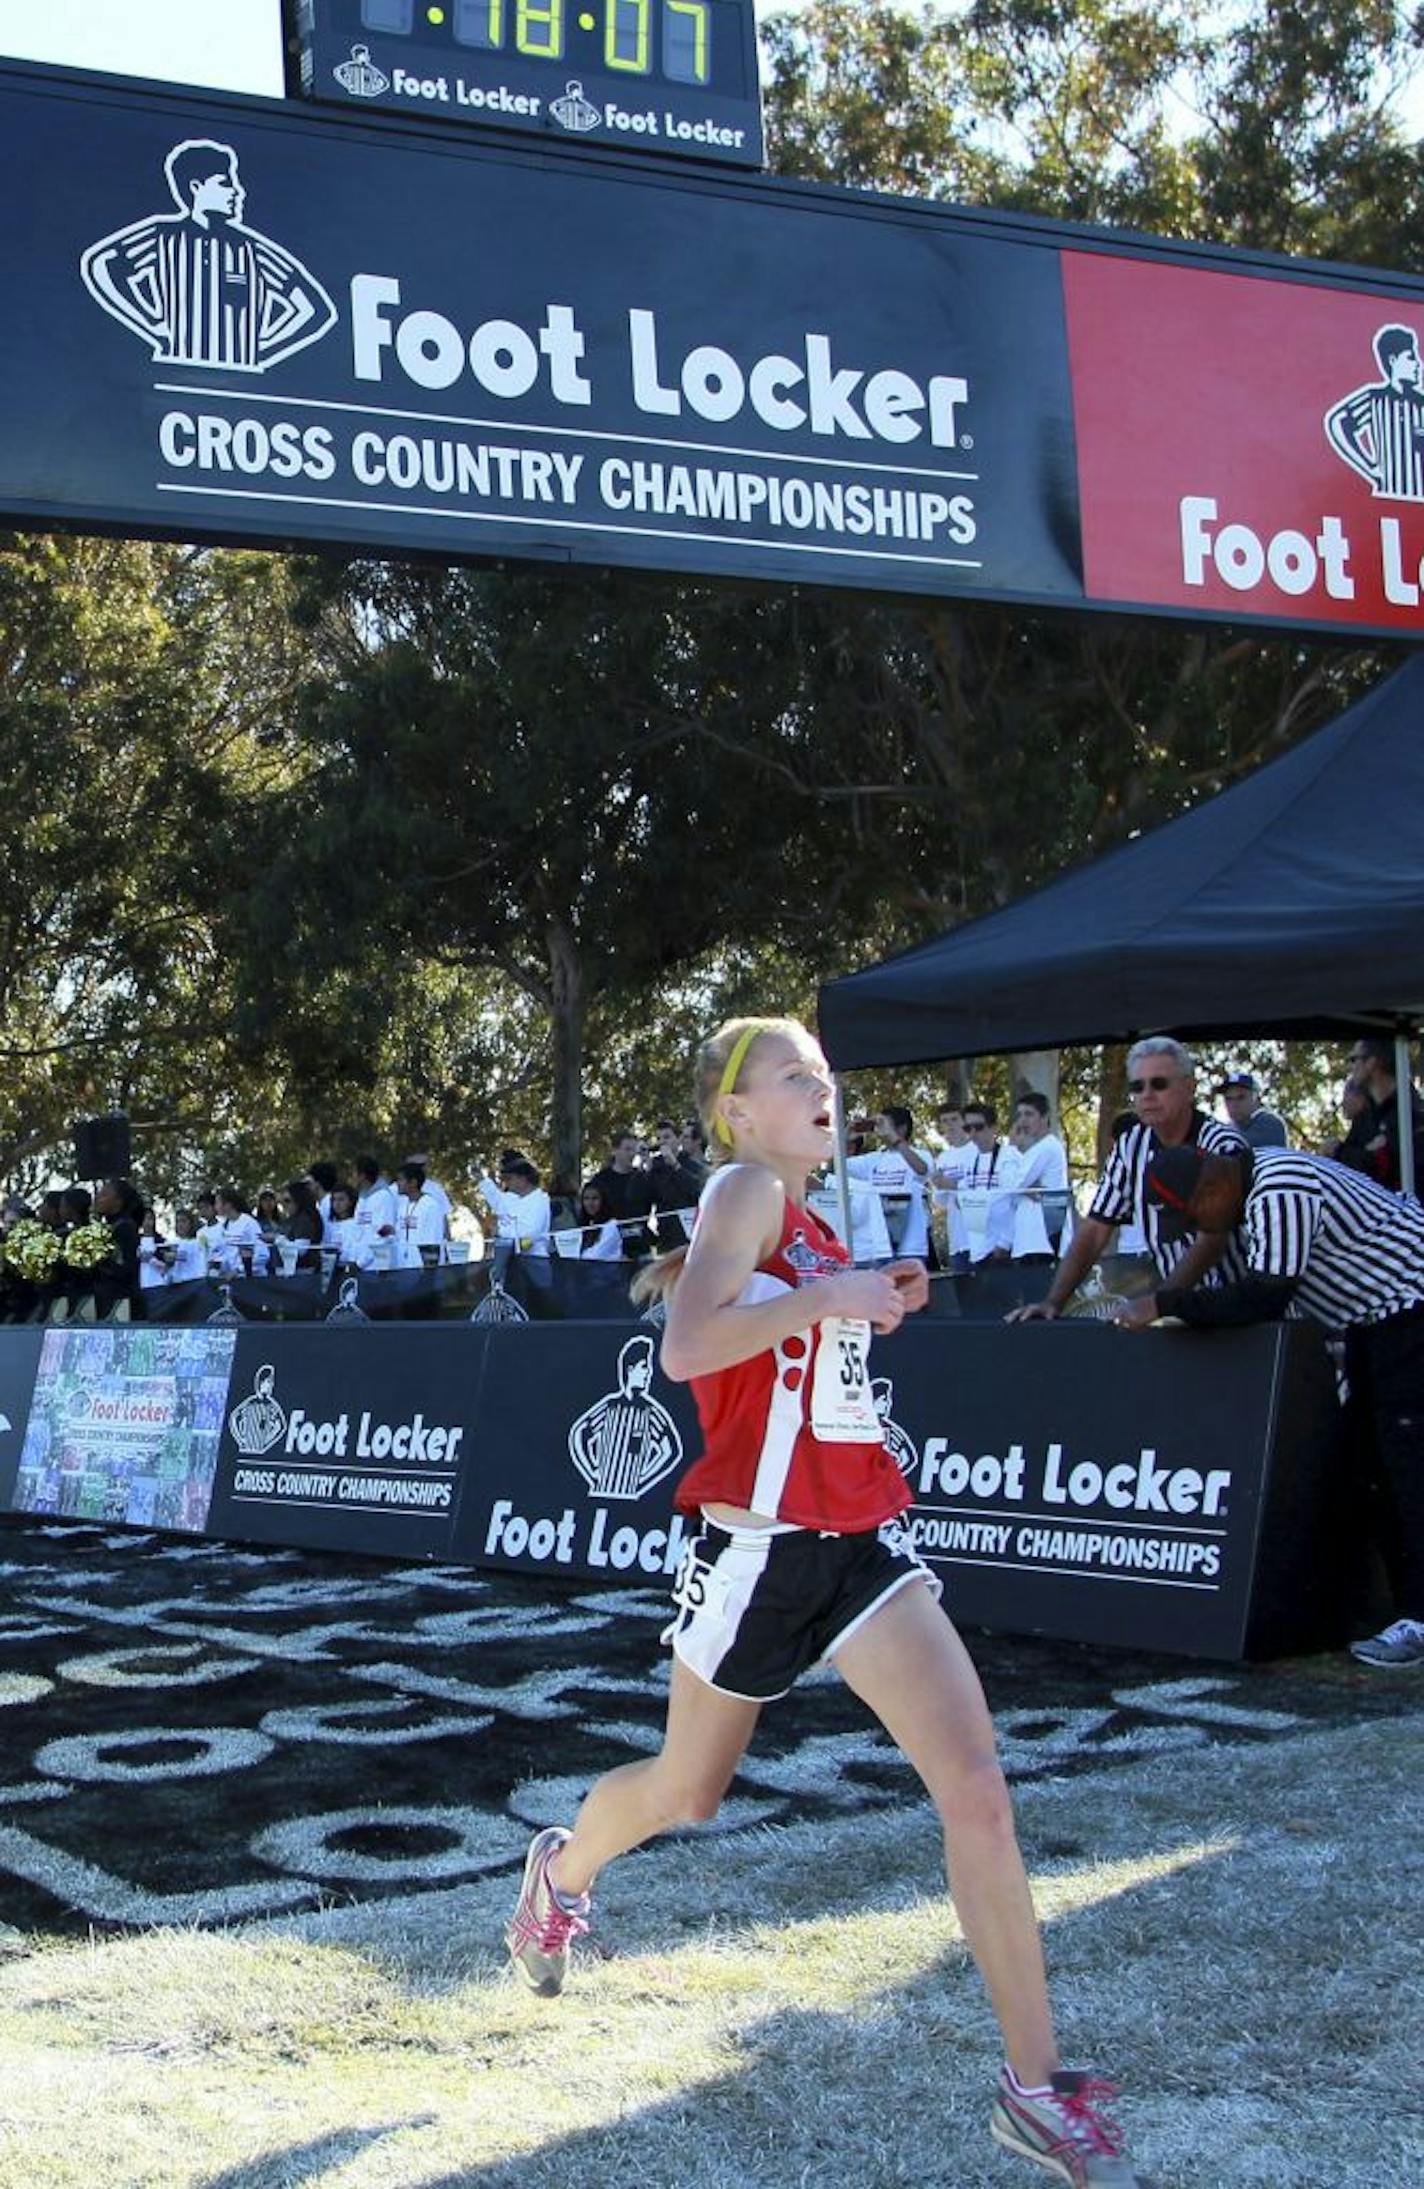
1372,1143
1161,1084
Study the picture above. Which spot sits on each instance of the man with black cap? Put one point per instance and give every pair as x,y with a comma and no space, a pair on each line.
1262,1127
1319,1240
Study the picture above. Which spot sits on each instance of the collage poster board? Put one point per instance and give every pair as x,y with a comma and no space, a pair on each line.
125,1425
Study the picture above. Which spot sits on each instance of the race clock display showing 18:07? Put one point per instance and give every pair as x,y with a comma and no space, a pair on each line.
669,76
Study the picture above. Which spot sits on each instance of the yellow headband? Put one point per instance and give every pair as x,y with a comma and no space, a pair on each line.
734,1064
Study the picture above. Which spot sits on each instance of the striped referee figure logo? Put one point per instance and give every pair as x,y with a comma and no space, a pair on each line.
199,286
626,1441
898,1442
1378,429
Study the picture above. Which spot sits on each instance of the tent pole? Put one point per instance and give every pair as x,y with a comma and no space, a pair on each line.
1403,1092
842,1162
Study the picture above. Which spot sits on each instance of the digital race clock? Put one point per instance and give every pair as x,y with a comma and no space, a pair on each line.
674,76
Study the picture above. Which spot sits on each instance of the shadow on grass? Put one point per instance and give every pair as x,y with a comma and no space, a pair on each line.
302,2162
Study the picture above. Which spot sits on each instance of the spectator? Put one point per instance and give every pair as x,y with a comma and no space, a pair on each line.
120,1207
268,1212
1372,1143
692,1141
564,1194
899,1172
152,1265
205,1207
354,1242
322,1177
51,1210
986,1186
75,1207
1262,1127
869,1240
421,1227
1162,1085
955,1157
520,1208
376,1210
1353,1106
189,1256
240,1246
629,1191
1319,1241
600,1240
437,1192
676,1185
1041,1198
304,1221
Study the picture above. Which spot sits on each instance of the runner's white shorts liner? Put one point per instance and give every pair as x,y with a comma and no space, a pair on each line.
757,1606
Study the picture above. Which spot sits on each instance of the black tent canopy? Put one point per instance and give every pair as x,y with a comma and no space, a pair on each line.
1291,904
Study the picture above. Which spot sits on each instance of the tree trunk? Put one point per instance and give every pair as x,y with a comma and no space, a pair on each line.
1112,1092
1036,1069
567,1020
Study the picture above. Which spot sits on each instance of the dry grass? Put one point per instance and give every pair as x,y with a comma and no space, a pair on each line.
785,2006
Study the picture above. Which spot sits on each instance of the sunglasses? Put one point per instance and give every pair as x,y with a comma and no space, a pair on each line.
1140,1086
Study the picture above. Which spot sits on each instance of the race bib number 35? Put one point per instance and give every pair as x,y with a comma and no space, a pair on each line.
842,1409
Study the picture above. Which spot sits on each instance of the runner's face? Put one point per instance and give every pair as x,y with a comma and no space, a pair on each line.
782,1106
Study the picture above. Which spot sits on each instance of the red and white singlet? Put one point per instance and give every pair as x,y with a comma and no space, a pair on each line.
793,1433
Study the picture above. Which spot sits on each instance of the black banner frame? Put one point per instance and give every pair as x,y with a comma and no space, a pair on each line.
581,169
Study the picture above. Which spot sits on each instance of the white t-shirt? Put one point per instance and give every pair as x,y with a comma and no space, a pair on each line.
353,1241
870,1235
190,1261
524,1219
376,1211
234,1233
421,1224
1043,1165
891,1176
985,1196
951,1163
441,1198
151,1271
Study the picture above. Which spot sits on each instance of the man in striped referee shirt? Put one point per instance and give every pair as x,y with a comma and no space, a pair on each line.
1161,1080
1322,1241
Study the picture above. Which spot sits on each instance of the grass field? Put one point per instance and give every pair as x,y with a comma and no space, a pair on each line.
1235,1933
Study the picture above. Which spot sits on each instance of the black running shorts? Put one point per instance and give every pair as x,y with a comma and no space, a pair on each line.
757,1606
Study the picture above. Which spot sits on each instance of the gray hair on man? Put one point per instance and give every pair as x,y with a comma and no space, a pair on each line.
1163,1045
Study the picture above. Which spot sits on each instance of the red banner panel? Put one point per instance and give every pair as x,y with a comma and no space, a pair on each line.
1247,446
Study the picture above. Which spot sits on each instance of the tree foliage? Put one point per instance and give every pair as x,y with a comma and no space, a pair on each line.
137,689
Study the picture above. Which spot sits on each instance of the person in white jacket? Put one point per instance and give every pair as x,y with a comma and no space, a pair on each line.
520,1208
420,1224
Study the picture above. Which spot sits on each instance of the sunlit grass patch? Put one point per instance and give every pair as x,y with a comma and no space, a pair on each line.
787,2006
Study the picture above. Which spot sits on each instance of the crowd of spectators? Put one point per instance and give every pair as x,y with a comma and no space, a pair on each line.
979,1189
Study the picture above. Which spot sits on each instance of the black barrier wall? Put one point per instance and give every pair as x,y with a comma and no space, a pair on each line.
1170,1491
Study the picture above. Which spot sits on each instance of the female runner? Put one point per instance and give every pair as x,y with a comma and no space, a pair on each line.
802,1557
